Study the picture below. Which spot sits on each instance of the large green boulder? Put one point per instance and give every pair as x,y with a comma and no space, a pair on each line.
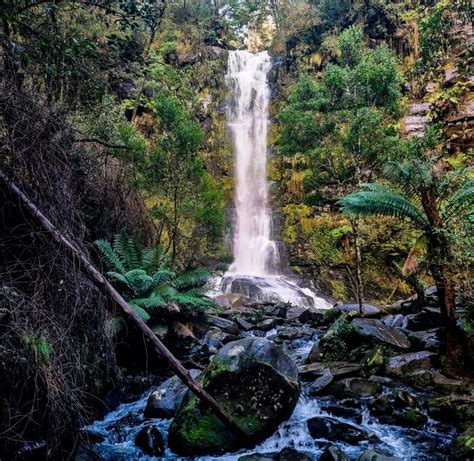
258,386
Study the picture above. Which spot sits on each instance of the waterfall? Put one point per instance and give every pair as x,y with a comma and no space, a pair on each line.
254,251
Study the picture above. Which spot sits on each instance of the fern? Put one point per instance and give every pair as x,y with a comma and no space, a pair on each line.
384,204
460,203
111,256
191,279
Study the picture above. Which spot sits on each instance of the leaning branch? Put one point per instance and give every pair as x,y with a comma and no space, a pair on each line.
101,282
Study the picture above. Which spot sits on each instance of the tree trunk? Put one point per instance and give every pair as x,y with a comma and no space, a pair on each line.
359,284
101,282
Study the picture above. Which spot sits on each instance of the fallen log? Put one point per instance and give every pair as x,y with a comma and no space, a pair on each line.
103,284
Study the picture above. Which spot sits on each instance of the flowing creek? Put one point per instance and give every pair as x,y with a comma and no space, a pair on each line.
257,273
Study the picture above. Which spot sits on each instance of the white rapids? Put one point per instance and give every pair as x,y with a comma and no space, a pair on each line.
256,270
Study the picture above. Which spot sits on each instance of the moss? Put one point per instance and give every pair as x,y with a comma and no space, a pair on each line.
463,445
338,289
414,418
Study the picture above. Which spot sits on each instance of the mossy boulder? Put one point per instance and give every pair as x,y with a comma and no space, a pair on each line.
258,386
463,445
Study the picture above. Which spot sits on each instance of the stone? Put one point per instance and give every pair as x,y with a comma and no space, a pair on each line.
374,360
150,440
428,318
425,340
260,457
332,453
462,447
292,333
290,454
419,378
368,310
266,325
213,338
337,369
400,365
225,325
446,384
334,430
372,455
243,324
395,321
257,384
247,313
341,411
451,409
163,402
229,301
359,388
277,310
379,332
312,316
320,384
315,354
294,312
410,417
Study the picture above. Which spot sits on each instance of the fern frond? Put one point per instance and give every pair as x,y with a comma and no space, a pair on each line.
151,258
460,204
382,204
162,276
191,279
128,247
150,302
185,299
139,281
110,256
142,313
117,277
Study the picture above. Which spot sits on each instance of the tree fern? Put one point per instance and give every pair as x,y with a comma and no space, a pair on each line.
191,279
384,204
127,247
460,203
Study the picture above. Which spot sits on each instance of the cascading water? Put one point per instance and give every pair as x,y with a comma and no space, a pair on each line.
254,251
255,271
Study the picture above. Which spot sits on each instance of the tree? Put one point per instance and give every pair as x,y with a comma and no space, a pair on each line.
434,201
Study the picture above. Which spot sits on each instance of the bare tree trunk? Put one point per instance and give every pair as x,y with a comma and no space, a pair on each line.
359,283
101,282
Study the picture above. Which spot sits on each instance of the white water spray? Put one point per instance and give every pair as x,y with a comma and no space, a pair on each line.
254,251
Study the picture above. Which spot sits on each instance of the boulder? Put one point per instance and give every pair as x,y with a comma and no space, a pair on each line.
230,300
326,427
359,388
462,447
425,340
451,409
400,365
372,455
315,354
163,402
368,310
312,316
213,338
292,333
429,317
410,417
378,332
395,321
294,312
243,324
258,386
225,325
260,457
342,411
277,310
337,369
290,454
332,453
150,440
320,384
266,325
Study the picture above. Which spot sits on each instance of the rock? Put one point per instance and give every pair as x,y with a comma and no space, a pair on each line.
374,360
451,76
379,332
277,310
315,354
246,326
260,457
312,316
431,296
403,399
216,52
410,418
247,313
183,332
400,365
332,429
230,300
419,378
372,455
224,324
332,453
290,454
368,310
448,384
451,409
395,321
359,388
341,411
292,333
294,312
337,369
90,436
381,406
321,383
150,440
213,338
258,385
426,319
462,447
266,325
84,453
425,340
163,402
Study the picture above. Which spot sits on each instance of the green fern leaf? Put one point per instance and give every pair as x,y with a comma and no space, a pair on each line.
142,313
110,256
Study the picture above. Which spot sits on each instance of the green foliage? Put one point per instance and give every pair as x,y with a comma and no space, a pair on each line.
145,281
